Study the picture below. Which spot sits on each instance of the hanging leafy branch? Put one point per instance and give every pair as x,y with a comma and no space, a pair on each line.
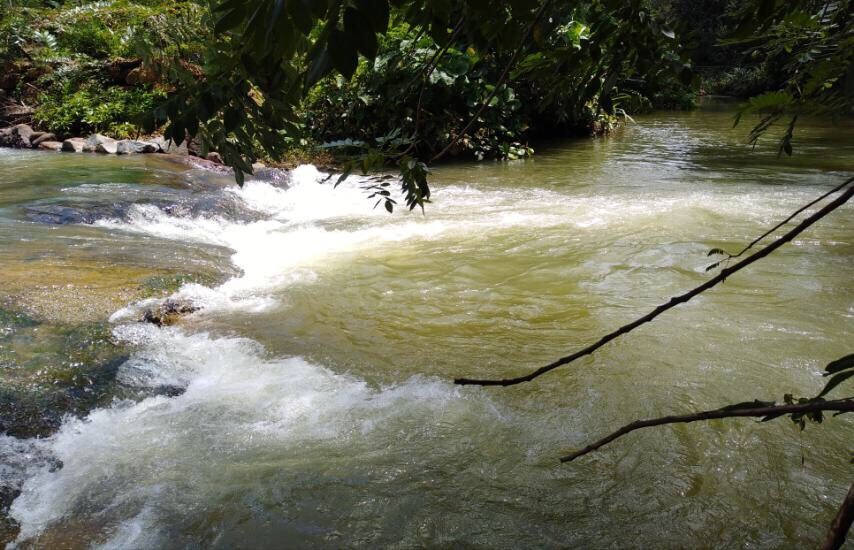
811,40
265,56
798,410
811,410
501,80
844,197
757,240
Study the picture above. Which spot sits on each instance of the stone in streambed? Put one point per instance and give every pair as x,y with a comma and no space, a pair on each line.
92,142
50,145
45,136
57,214
169,146
168,313
74,145
17,137
214,157
129,146
108,147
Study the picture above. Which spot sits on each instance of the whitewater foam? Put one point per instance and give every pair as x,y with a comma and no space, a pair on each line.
310,225
134,464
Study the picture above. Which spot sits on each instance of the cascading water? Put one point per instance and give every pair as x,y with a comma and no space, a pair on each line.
309,403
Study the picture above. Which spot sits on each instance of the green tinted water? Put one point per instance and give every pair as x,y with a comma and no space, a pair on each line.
318,409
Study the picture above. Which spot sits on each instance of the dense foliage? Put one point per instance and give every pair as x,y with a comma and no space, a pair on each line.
449,95
70,64
407,82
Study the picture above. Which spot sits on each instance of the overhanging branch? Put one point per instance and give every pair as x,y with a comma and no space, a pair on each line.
840,405
835,537
498,84
675,301
790,218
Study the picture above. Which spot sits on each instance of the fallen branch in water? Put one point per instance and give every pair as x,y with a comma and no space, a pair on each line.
840,405
675,301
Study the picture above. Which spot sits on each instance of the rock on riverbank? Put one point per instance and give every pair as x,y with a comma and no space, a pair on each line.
22,136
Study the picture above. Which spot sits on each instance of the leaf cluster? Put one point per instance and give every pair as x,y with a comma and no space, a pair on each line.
264,57
810,43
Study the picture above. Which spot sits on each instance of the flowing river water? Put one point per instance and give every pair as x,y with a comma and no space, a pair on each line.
310,402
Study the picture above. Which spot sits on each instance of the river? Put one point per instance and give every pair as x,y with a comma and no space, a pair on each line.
310,402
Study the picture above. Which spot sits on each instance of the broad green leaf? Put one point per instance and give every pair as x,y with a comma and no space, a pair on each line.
839,365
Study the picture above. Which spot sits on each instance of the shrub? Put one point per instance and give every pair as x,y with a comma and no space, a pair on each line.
739,81
66,110
382,98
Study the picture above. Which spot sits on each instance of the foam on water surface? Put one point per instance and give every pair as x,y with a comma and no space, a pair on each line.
239,409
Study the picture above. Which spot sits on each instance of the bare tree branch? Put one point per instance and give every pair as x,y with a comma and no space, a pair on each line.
425,77
675,301
790,218
498,84
835,537
840,405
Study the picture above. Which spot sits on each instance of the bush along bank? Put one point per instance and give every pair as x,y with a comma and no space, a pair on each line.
75,70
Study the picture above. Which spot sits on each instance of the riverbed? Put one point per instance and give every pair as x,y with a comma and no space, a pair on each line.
310,402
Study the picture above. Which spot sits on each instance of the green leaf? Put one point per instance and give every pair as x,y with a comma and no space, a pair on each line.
377,13
343,176
228,5
320,66
839,365
300,13
228,21
359,29
342,53
835,381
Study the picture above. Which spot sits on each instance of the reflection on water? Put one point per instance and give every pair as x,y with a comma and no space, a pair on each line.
309,402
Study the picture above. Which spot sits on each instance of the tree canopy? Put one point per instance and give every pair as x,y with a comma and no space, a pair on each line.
263,58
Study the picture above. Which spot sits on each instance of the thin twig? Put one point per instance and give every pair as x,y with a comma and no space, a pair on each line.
835,537
841,405
498,84
428,71
675,301
787,220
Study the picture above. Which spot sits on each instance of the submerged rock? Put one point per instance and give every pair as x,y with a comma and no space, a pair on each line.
168,313
275,176
57,214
